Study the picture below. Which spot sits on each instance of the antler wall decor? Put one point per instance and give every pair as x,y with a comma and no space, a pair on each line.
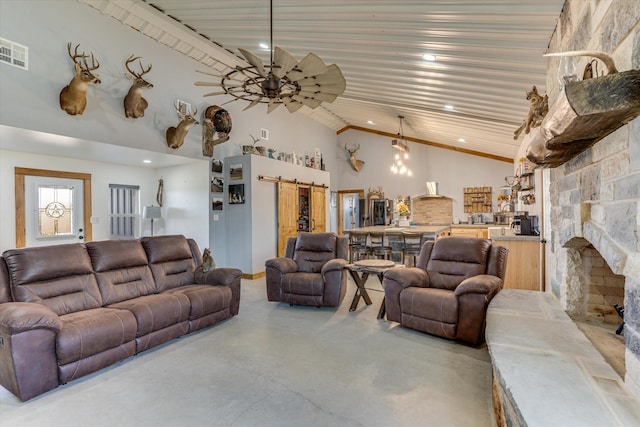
73,97
355,163
134,103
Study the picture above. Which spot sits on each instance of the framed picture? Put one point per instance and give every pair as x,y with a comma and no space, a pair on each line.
235,171
217,184
216,166
236,194
216,203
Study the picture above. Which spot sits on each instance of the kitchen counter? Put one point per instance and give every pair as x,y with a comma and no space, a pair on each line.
427,229
467,225
516,237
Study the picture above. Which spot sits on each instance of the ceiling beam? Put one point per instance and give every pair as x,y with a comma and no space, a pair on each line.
426,142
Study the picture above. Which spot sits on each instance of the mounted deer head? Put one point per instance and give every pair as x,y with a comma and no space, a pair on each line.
73,98
355,163
134,103
176,135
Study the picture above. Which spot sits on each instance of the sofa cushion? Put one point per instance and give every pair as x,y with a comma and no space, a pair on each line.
89,332
59,277
303,284
313,250
454,259
155,312
121,269
204,299
170,260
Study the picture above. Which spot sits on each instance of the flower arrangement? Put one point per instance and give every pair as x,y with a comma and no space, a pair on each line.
403,209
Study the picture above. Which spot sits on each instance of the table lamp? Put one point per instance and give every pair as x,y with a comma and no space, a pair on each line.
151,212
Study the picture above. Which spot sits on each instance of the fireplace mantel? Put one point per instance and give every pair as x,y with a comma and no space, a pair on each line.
584,113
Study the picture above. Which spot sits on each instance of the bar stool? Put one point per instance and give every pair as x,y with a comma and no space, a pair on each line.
358,245
412,245
396,242
377,247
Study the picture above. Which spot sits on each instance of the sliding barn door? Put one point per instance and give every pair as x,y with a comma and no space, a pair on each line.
287,214
318,210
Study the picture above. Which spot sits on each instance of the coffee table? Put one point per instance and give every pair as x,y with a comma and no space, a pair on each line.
360,271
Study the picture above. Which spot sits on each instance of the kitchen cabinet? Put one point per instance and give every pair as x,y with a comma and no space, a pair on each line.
524,262
300,208
481,232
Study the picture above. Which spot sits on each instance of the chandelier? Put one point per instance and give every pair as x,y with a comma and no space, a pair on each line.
284,80
400,144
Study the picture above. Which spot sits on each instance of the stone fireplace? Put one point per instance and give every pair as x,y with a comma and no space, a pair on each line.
594,199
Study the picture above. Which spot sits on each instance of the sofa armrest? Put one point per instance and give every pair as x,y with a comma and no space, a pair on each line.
482,284
283,265
17,317
336,264
405,277
396,280
217,276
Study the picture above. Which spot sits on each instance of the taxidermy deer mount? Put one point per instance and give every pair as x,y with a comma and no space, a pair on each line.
355,163
134,103
73,98
176,135
538,108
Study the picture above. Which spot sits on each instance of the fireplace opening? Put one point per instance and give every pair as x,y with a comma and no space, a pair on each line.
597,291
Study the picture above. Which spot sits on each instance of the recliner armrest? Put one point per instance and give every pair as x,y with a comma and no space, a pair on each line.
217,276
283,265
481,284
17,317
335,264
406,277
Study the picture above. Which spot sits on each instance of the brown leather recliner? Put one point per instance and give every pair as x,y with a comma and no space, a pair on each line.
311,271
449,290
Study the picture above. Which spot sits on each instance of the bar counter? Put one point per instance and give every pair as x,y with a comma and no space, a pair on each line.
429,230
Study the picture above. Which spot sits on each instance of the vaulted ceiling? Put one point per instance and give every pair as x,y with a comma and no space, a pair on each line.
471,98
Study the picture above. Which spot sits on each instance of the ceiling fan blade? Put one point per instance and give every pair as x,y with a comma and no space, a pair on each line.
252,104
291,105
311,65
309,102
215,93
210,74
332,77
273,104
284,62
321,96
255,61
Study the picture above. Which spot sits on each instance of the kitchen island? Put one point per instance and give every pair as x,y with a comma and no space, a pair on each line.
434,231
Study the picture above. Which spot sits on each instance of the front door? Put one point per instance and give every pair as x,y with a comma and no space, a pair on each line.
54,210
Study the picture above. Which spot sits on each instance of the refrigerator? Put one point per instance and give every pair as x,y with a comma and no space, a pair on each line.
375,212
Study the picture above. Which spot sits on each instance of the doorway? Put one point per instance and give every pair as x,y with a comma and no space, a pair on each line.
52,207
349,209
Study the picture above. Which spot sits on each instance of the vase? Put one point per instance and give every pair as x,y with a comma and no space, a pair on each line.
404,221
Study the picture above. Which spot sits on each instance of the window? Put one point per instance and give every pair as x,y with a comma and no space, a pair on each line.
55,210
123,211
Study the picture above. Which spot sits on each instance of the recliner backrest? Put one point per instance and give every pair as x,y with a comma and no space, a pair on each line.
5,283
454,259
59,277
122,270
171,261
313,250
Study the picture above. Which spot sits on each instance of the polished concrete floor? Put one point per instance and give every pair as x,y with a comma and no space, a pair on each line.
276,365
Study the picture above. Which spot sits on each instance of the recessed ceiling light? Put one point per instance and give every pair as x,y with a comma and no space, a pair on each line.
264,46
429,57
146,161
370,122
461,140
448,107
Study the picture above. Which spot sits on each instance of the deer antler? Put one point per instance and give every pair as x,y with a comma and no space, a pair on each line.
351,151
142,70
75,55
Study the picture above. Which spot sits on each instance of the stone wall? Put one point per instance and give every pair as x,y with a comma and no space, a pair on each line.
595,197
432,210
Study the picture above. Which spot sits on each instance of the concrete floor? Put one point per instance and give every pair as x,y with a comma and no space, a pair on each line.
276,365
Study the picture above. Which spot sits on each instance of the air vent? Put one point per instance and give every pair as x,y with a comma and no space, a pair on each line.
14,54
264,134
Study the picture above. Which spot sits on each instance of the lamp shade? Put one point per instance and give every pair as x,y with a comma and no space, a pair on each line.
151,212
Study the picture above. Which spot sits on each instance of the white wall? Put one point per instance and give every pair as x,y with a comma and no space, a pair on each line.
102,174
450,169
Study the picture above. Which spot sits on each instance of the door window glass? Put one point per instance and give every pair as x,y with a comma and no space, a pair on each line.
55,210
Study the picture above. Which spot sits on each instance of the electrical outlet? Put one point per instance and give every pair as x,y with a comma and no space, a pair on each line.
216,217
94,220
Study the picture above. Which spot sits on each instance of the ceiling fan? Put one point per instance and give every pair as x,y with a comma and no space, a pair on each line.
284,80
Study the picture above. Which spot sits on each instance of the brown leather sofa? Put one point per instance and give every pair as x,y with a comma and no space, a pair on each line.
448,292
311,271
69,310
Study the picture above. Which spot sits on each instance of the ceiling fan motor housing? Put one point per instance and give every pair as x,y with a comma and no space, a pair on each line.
271,86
